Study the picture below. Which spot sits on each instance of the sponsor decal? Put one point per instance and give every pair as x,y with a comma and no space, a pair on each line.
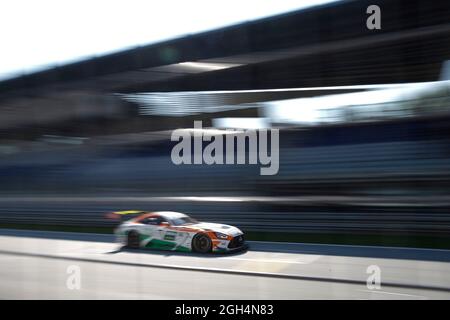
170,236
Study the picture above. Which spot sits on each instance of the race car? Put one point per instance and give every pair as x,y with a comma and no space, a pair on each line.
176,231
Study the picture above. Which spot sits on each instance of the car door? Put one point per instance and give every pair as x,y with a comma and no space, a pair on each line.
168,236
164,230
149,227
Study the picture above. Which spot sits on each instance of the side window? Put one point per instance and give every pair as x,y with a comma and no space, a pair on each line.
161,220
151,221
154,221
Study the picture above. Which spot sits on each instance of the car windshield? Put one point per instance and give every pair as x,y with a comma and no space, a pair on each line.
183,221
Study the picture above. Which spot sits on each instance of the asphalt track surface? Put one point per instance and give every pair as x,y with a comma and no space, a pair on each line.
36,265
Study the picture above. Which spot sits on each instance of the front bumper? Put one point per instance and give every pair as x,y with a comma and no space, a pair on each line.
237,243
244,247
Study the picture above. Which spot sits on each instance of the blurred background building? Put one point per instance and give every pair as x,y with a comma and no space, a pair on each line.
363,115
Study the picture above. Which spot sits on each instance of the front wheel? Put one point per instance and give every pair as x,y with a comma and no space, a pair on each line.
133,239
201,243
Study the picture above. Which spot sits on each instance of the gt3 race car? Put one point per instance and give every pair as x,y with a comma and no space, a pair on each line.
177,232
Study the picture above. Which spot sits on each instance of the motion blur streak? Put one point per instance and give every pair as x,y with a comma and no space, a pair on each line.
111,272
364,155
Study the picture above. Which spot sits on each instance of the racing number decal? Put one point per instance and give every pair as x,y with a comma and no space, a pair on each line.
170,235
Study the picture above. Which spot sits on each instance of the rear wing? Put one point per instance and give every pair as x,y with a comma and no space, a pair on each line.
121,216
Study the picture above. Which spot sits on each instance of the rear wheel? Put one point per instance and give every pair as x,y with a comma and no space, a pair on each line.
201,243
133,239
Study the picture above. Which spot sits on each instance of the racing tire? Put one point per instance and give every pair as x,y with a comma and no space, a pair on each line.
201,243
133,239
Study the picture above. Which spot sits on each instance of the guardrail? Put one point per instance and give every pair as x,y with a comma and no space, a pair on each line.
248,215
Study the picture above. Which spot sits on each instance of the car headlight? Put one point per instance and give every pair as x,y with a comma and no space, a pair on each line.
221,235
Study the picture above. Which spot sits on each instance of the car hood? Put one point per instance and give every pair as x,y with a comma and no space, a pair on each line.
217,227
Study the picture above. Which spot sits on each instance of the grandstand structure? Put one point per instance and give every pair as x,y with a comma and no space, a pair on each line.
239,67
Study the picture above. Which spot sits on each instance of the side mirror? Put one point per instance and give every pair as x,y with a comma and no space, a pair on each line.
165,224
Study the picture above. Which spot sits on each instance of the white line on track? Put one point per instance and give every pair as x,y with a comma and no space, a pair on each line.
393,293
265,260
344,245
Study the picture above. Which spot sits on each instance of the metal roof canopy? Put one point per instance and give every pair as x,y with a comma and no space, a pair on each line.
318,46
